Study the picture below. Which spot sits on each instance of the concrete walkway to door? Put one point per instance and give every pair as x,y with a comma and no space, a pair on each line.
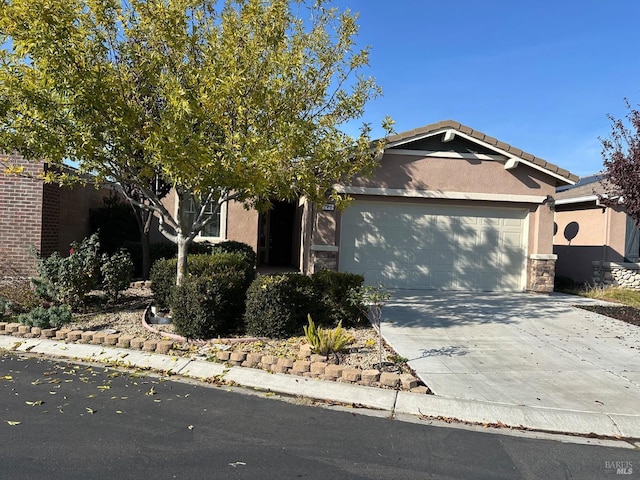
521,349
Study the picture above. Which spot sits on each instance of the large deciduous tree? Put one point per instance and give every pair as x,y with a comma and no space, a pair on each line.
621,155
224,100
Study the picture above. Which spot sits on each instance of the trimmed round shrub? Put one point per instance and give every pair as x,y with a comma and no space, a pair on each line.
163,272
231,246
277,305
333,289
210,302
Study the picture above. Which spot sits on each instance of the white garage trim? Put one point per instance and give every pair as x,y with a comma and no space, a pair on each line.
401,192
445,247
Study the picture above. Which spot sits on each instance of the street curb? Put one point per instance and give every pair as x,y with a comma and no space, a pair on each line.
395,402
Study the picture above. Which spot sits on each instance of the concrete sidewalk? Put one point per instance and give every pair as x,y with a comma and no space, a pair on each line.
395,402
522,349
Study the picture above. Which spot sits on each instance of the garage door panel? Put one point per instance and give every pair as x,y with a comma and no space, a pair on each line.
443,247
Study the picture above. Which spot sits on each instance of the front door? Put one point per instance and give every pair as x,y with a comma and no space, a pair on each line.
276,234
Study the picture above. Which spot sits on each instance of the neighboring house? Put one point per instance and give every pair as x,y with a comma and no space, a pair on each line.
44,217
589,235
448,208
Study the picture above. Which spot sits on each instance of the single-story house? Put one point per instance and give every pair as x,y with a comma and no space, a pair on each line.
41,216
448,208
589,235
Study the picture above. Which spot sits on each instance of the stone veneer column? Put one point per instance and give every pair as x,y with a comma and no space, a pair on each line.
541,273
324,257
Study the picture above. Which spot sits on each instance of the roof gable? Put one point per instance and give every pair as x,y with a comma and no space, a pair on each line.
452,136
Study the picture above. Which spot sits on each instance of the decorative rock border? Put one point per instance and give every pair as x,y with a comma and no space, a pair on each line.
626,275
307,364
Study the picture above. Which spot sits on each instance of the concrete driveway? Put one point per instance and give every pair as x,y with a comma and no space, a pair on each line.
518,348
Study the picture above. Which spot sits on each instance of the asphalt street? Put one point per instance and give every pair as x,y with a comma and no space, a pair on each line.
61,420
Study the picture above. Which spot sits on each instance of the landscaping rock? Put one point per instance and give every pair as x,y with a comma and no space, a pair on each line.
408,381
111,339
253,359
333,371
48,332
223,355
389,379
149,345
305,352
369,377
301,366
137,343
98,338
351,374
124,341
318,368
73,335
164,346
421,389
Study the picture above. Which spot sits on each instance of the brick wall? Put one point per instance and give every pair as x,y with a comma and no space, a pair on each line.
20,218
39,216
50,234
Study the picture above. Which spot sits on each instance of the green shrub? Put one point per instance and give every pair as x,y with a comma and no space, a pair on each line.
163,272
231,246
163,279
278,305
53,317
324,341
212,304
6,309
21,296
333,289
68,280
117,273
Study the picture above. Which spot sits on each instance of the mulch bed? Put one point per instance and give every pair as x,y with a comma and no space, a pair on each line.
626,314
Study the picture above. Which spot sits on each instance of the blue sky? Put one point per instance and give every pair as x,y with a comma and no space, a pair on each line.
537,74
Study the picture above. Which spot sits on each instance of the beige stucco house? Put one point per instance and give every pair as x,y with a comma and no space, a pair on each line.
590,236
448,208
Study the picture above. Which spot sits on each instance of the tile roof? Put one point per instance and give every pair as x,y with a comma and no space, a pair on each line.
452,124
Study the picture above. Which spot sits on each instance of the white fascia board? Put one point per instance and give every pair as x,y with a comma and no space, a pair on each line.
586,198
415,139
515,159
444,154
400,192
499,151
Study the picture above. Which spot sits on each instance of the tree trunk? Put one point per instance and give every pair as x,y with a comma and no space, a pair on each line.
183,250
146,246
146,255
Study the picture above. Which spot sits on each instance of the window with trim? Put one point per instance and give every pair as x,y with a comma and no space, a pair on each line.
212,229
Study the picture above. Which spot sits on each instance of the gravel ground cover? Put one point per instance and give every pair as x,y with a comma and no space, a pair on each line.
126,317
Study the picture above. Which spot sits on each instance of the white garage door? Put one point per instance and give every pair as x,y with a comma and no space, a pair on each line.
434,247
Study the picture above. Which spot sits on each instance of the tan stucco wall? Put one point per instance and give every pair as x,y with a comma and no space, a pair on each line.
596,226
587,233
242,224
456,175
